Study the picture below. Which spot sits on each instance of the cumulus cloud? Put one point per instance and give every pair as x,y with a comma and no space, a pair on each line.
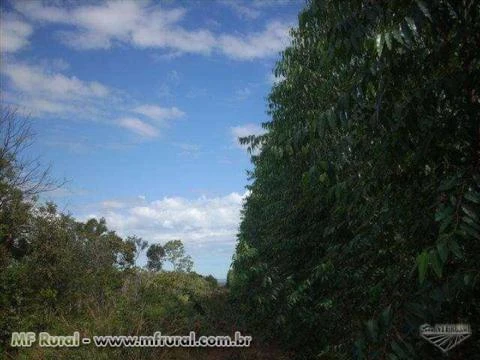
205,220
33,79
135,22
268,42
159,113
145,25
14,33
47,91
138,127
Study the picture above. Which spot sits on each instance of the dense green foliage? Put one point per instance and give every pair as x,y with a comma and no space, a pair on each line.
363,219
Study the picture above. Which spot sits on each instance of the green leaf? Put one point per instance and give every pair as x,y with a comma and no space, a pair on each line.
372,329
406,32
445,223
471,222
422,262
443,212
388,40
470,231
398,350
332,121
472,196
379,44
411,24
398,36
436,263
323,178
386,316
442,249
424,9
469,211
455,248
448,184
323,164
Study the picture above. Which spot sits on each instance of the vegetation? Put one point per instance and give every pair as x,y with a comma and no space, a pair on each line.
363,219
61,275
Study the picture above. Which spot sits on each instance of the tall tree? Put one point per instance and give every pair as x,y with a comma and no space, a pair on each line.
156,257
138,244
22,179
175,254
362,220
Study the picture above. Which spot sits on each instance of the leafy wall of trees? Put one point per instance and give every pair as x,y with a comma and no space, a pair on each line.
363,220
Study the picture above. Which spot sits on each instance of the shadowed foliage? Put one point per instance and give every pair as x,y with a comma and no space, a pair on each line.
363,219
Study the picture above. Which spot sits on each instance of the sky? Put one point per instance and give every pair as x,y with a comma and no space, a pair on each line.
139,105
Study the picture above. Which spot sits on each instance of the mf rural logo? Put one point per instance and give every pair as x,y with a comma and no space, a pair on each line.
445,336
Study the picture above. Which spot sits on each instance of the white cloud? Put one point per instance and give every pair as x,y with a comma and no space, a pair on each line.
269,42
14,33
138,127
135,22
34,80
84,40
42,89
200,41
35,10
42,106
242,10
199,221
159,113
145,25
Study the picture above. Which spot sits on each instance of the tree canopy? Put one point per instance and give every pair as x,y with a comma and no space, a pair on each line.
362,222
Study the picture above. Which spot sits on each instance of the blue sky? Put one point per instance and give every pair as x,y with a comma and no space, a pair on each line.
139,105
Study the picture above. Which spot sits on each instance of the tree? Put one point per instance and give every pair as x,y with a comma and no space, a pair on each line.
138,244
16,170
175,254
21,181
68,266
155,255
362,215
